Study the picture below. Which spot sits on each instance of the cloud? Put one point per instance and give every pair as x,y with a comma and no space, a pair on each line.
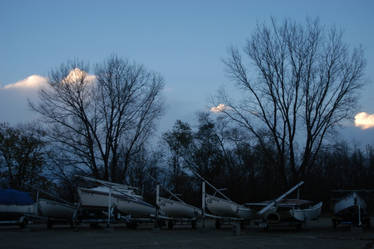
31,82
364,120
77,74
219,108
14,98
35,82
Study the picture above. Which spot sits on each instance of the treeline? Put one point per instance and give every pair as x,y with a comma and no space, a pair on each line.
228,159
216,150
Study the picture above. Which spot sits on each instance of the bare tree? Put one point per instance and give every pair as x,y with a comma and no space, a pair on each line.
103,119
301,82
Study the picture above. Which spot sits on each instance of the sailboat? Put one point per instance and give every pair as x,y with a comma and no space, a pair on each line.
282,209
349,202
15,204
55,209
306,214
226,207
351,208
222,207
178,208
122,197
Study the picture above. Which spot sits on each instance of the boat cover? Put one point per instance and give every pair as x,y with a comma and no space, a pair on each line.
14,197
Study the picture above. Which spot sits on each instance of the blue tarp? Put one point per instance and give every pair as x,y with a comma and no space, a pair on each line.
14,197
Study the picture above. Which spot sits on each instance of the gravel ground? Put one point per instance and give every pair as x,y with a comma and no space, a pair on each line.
319,234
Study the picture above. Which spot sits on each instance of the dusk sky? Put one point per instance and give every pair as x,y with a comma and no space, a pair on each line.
185,41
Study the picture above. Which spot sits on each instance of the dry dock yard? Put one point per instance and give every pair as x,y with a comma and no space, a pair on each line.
319,234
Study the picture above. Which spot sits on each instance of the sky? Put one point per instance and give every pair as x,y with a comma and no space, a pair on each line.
185,41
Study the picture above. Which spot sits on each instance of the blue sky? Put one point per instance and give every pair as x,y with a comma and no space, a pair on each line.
185,41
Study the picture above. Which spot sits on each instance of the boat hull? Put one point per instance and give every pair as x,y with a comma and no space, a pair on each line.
54,209
177,209
221,207
308,213
9,212
351,201
124,204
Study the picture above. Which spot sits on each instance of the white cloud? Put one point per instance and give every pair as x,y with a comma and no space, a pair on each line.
219,108
364,120
14,98
35,82
31,82
77,74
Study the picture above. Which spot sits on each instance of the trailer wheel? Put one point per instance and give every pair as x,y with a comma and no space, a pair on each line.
242,225
75,223
170,225
71,223
116,214
334,223
49,224
132,225
160,223
218,224
23,222
94,225
193,224
367,223
299,226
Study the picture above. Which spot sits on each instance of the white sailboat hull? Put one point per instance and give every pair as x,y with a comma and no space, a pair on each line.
54,209
221,207
125,205
307,213
177,209
348,202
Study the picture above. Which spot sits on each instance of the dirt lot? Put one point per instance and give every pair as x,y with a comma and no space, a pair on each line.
318,235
